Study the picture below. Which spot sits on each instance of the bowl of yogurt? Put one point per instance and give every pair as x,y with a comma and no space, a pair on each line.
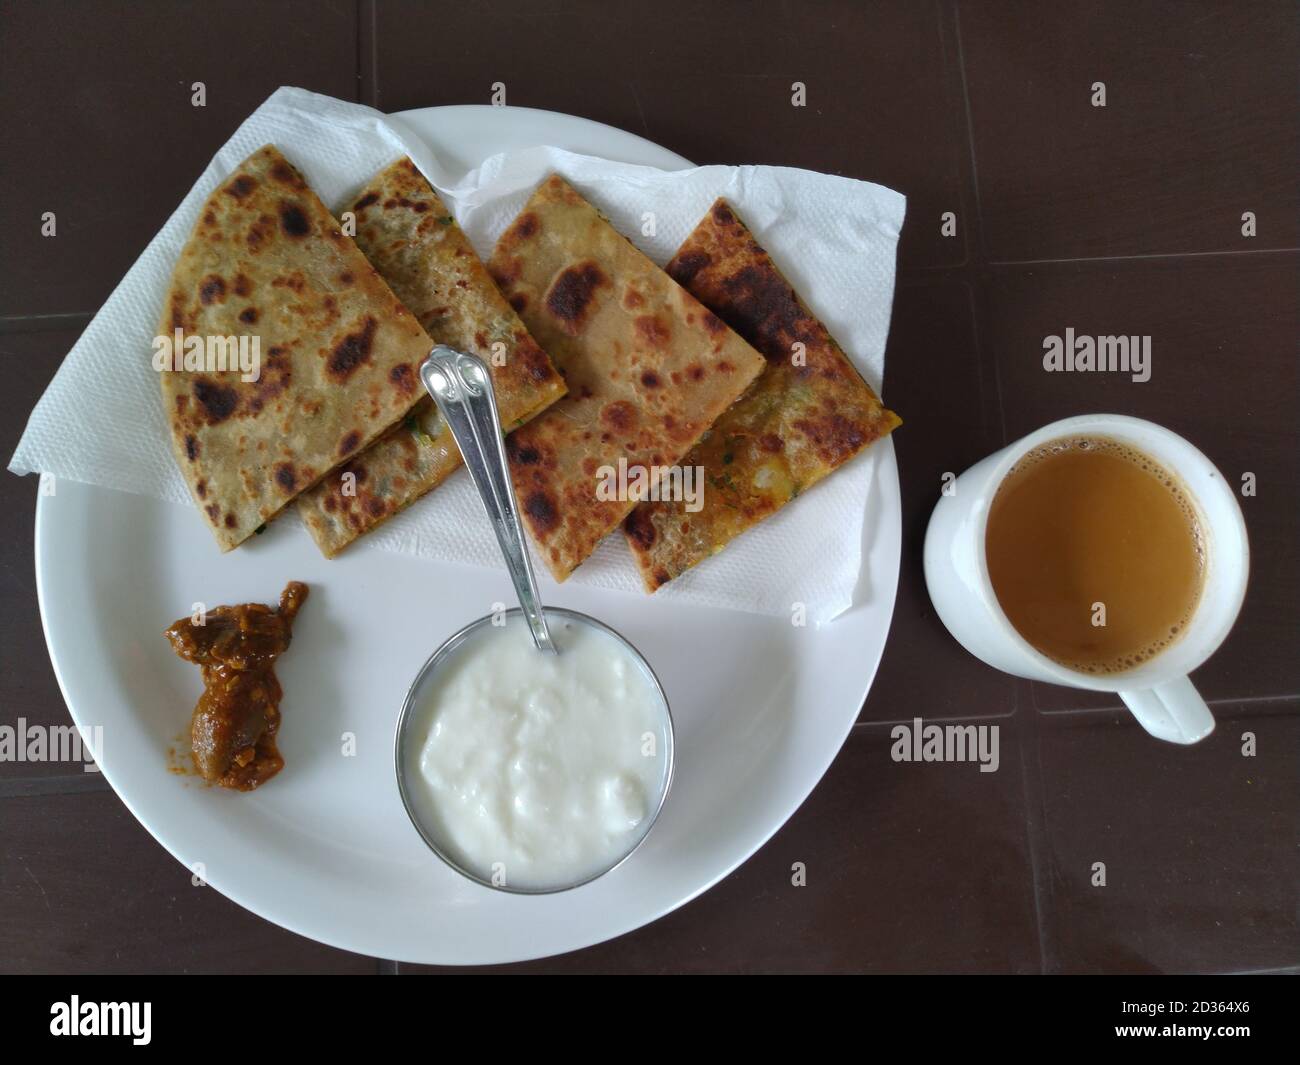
532,772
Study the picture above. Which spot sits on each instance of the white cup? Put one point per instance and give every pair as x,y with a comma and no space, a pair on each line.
1156,691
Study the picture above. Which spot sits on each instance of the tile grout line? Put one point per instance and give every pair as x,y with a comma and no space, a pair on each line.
1031,784
367,54
1026,724
975,285
62,784
993,719
981,250
955,90
1143,257
41,323
1248,702
359,66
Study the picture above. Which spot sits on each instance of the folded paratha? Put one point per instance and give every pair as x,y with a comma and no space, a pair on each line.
648,368
417,247
339,353
809,413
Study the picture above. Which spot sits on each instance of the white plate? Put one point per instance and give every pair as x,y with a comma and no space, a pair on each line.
326,850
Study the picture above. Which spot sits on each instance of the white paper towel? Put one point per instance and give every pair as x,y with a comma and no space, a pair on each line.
101,421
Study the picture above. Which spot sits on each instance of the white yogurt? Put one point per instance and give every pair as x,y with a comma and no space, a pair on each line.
538,771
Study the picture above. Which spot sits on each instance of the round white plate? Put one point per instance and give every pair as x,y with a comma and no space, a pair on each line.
326,850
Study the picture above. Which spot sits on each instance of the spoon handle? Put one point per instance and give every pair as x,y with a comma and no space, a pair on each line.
462,387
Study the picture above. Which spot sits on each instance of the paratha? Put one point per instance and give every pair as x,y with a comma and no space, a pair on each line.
808,414
410,237
339,353
648,368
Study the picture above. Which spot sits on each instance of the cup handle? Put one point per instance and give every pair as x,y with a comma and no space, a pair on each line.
1172,711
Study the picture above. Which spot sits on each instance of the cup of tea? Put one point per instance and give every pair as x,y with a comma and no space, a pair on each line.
1100,552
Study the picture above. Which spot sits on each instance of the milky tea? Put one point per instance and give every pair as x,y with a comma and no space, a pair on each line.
1095,553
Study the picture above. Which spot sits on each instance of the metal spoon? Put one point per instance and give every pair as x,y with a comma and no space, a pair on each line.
462,387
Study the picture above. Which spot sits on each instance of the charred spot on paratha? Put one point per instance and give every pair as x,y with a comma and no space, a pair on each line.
248,316
834,437
540,507
722,214
537,366
523,228
241,187
191,447
651,379
403,378
219,402
572,294
285,476
286,174
293,220
641,529
352,351
212,290
366,201
350,442
685,265
521,451
764,309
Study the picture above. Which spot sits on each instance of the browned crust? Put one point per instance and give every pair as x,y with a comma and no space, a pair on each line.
264,261
804,418
411,238
648,368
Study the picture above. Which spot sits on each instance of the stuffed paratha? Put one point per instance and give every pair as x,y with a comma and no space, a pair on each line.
808,414
410,237
648,368
338,352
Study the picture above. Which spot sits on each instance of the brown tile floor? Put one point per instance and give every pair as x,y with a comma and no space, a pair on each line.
1190,137
983,110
